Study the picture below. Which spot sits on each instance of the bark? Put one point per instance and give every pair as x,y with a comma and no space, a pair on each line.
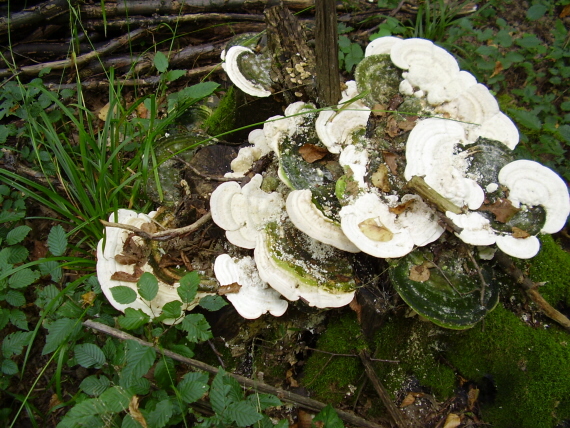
326,52
43,13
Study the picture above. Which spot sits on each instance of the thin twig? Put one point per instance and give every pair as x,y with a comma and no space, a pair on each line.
164,235
481,277
287,396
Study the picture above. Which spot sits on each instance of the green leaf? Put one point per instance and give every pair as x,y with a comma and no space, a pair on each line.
165,372
329,418
14,343
525,118
171,310
8,216
123,294
160,62
193,387
201,90
129,422
140,359
133,318
181,349
344,44
159,417
196,327
263,401
504,39
18,318
213,303
173,75
115,399
23,278
5,317
57,240
243,413
58,333
528,41
89,355
17,235
17,254
219,393
15,298
148,286
9,367
486,50
188,287
51,268
94,385
535,12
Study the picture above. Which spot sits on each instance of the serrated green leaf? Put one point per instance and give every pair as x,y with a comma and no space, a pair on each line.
329,418
147,286
9,367
115,399
138,386
58,332
129,422
23,278
123,294
528,41
263,401
171,310
164,373
15,298
133,318
526,118
14,343
160,62
243,413
188,287
57,240
17,254
183,350
159,417
18,318
536,11
8,216
89,355
95,385
5,317
196,327
17,235
219,394
213,303
193,387
139,360
51,268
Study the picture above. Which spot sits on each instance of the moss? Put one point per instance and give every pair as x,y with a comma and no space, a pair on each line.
331,377
416,345
530,370
223,118
552,265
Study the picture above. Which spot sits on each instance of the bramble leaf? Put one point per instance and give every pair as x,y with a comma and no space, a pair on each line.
193,387
58,332
57,240
133,318
89,355
140,359
94,385
17,234
147,286
123,294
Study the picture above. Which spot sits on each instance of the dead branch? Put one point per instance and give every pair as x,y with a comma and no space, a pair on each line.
41,13
287,396
164,235
531,290
399,418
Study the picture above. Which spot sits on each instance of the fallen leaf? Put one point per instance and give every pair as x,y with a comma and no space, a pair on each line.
565,12
104,112
54,401
142,111
399,209
312,153
395,102
290,379
390,159
380,179
305,419
472,397
88,298
452,421
379,110
128,277
420,273
229,289
408,124
372,230
135,412
392,128
498,68
519,233
502,209
410,399
127,259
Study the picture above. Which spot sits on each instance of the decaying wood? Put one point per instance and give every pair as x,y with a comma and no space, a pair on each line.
399,418
42,13
283,395
531,290
293,62
326,53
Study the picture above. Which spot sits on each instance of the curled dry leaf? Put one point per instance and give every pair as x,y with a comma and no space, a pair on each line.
410,399
312,153
229,289
88,298
372,230
390,159
392,127
128,277
452,421
519,233
399,209
502,209
380,178
135,412
420,273
497,70
472,397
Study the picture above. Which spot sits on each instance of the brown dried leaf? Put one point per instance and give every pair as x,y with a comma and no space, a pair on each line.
54,401
390,159
380,178
498,68
399,209
88,298
356,307
452,421
420,273
142,111
372,230
502,209
472,397
408,124
395,102
410,399
392,128
290,379
565,12
149,227
519,233
135,412
379,110
127,259
305,419
312,153
229,289
128,277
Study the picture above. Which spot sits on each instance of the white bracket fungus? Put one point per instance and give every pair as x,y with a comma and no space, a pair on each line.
231,67
254,297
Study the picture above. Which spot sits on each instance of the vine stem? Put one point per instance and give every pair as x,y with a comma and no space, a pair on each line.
283,395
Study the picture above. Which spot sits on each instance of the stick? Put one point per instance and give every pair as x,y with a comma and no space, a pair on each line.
399,418
164,235
287,396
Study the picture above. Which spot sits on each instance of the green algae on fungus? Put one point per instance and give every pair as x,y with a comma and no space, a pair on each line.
378,78
529,368
333,378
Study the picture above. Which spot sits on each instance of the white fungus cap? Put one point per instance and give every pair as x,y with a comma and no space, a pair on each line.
420,220
474,105
370,225
531,183
254,297
230,65
293,287
477,229
356,159
521,248
310,220
112,246
381,46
